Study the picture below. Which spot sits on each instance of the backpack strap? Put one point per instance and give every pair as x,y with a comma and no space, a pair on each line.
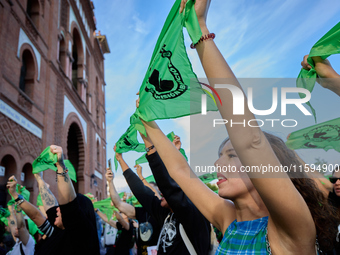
186,240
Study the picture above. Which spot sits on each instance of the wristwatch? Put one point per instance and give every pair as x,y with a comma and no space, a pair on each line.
20,197
149,148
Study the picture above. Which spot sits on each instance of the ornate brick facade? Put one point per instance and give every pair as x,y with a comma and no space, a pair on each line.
50,72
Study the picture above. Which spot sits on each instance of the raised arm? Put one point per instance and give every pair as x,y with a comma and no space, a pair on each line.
66,192
105,219
12,221
24,235
144,195
173,194
218,211
32,212
47,196
126,208
120,219
290,213
140,175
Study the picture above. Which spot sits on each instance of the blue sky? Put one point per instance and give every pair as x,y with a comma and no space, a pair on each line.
258,38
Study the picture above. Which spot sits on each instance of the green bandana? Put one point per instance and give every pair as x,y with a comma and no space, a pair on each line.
71,171
170,88
105,207
46,160
328,45
324,136
39,201
171,137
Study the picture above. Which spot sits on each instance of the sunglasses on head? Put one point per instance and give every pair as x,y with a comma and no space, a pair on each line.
333,179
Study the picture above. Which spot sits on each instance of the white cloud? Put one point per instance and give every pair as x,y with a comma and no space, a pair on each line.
140,26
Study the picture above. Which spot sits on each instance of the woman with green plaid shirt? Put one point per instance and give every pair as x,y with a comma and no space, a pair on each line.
279,214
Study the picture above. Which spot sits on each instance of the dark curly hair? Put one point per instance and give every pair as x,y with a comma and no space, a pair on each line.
325,217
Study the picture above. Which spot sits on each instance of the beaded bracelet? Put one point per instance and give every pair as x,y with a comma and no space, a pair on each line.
204,37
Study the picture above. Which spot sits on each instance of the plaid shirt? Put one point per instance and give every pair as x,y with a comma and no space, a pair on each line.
245,237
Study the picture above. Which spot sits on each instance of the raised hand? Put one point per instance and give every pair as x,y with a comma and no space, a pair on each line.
201,8
327,76
117,155
59,151
12,185
139,170
177,142
109,175
38,176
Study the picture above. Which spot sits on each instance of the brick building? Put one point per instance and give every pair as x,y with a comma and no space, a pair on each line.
52,91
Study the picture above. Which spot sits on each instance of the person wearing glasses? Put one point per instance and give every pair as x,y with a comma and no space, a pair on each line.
334,199
334,196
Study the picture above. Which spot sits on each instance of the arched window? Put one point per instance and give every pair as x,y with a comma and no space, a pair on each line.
10,165
78,57
98,154
33,10
97,116
28,179
62,53
75,66
97,102
27,73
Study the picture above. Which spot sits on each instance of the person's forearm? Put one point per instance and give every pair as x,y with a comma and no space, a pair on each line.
171,157
335,85
120,219
149,186
218,72
114,195
23,232
12,222
126,208
123,164
32,212
102,216
148,143
19,217
47,196
42,210
328,77
66,192
143,194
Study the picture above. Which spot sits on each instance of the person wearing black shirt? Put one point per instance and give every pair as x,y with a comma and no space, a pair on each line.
70,227
149,228
172,210
124,239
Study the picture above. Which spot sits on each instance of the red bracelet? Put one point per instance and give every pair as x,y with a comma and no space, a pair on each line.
204,37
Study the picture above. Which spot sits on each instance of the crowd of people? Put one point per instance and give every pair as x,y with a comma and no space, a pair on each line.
256,213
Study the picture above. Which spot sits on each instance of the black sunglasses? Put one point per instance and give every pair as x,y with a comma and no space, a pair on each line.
333,179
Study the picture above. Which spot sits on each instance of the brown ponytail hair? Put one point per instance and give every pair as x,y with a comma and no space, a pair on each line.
325,217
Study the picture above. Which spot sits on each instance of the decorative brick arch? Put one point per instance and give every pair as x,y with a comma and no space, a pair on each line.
10,150
73,124
26,46
77,41
62,51
33,10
